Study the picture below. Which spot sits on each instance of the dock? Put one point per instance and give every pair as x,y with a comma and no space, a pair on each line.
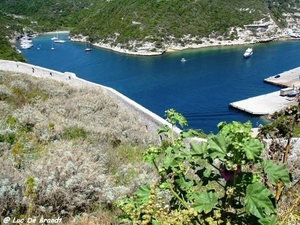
264,104
272,102
290,78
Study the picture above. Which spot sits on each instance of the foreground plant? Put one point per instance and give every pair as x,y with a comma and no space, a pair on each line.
282,134
223,180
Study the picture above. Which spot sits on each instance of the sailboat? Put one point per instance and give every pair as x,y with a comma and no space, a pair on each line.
87,48
52,48
54,38
57,40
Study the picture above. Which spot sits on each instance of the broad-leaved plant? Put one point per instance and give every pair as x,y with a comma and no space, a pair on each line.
223,180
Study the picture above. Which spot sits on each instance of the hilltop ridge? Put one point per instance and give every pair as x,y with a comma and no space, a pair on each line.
154,27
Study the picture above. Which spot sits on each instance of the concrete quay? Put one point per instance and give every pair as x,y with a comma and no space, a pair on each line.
290,78
272,102
264,104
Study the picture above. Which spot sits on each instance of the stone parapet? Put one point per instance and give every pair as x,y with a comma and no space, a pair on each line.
151,120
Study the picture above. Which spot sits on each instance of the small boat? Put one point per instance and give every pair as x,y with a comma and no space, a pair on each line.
59,41
87,47
248,52
52,48
54,37
183,60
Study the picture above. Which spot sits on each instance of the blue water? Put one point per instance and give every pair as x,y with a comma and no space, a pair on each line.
200,88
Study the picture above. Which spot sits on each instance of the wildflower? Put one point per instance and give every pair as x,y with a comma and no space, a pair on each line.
229,174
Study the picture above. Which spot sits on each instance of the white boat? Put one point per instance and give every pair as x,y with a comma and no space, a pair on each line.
183,60
59,41
55,37
248,52
87,47
25,44
25,39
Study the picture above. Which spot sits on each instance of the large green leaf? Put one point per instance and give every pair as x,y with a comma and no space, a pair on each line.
184,184
276,172
199,149
189,133
163,129
142,194
218,146
257,201
271,220
205,201
169,162
253,149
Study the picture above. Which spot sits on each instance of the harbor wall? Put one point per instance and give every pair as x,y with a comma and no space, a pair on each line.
151,121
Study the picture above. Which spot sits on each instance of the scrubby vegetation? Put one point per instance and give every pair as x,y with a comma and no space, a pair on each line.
65,151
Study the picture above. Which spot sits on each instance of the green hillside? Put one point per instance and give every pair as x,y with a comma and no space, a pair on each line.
154,21
158,20
8,27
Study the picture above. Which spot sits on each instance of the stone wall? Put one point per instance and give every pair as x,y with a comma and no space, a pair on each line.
152,121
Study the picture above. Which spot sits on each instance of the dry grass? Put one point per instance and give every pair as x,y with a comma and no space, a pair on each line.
78,145
289,206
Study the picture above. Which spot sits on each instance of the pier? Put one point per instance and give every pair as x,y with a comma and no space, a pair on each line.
290,78
272,102
264,104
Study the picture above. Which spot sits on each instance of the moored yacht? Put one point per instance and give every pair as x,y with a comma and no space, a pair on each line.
248,52
26,44
59,41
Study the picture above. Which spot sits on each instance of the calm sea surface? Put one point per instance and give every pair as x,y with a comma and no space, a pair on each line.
200,88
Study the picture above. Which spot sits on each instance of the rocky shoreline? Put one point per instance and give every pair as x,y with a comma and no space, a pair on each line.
146,49
258,32
265,30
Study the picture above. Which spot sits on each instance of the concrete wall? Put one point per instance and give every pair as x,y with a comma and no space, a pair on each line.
152,121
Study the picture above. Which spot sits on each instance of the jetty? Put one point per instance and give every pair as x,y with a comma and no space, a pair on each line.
272,102
264,104
290,78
